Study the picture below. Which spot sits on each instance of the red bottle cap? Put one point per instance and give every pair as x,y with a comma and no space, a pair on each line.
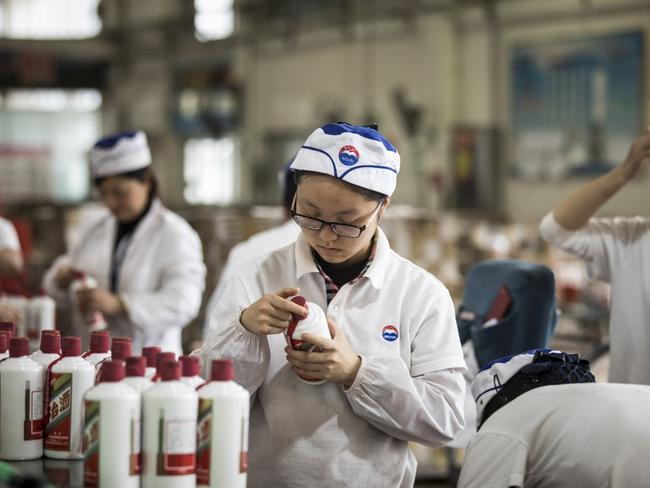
222,370
170,370
112,371
100,342
50,343
9,327
162,357
18,346
135,366
3,343
150,354
70,346
190,365
121,348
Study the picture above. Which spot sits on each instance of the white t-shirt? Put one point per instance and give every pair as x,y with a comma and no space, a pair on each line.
564,436
257,245
8,236
617,251
409,386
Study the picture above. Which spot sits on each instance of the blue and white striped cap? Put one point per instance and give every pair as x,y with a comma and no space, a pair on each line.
119,153
357,154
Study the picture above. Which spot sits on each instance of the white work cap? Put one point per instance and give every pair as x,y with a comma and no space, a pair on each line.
119,153
357,154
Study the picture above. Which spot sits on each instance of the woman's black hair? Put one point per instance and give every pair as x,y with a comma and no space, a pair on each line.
372,195
143,175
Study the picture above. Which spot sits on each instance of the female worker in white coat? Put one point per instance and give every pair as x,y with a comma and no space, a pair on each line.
393,369
147,261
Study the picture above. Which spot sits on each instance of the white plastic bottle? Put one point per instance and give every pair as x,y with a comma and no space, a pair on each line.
135,366
94,321
121,348
162,356
191,367
100,341
315,323
41,311
150,353
169,431
49,350
222,440
68,381
4,345
21,404
112,431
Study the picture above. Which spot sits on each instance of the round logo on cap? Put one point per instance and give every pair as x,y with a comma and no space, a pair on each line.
390,333
349,155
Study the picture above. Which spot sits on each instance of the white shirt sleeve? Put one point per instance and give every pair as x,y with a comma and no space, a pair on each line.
424,401
178,299
8,236
494,461
600,243
229,339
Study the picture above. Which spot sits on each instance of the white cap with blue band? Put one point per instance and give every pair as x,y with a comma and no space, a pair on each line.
120,153
359,155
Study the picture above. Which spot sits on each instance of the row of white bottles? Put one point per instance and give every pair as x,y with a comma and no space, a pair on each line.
34,315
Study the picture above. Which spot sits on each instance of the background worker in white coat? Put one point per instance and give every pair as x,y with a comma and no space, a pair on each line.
393,368
258,244
148,261
11,264
616,251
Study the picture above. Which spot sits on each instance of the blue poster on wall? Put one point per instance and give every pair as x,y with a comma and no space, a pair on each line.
576,105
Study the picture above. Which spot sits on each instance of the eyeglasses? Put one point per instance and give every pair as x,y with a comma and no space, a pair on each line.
342,230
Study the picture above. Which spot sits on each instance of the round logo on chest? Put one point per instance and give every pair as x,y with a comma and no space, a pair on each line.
390,333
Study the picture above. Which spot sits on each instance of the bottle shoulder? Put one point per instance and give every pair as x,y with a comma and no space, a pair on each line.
73,363
23,363
165,389
223,389
113,389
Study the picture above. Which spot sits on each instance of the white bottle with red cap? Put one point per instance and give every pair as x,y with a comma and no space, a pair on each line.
135,366
100,341
21,404
94,321
121,348
222,440
4,344
41,311
21,306
169,431
315,323
190,369
68,380
49,350
112,431
150,353
9,327
160,357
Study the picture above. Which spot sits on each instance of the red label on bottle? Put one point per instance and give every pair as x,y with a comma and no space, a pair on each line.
135,456
33,424
203,442
91,442
176,447
57,431
243,454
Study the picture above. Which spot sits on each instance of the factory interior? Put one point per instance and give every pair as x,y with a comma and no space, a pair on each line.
521,133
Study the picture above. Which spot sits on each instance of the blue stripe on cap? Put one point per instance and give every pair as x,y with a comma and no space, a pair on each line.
367,132
110,141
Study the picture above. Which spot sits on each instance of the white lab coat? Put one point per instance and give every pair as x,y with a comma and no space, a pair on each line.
161,279
255,246
8,236
409,386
